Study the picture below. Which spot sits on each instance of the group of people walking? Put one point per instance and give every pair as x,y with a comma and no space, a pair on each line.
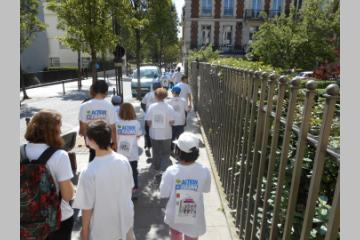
108,186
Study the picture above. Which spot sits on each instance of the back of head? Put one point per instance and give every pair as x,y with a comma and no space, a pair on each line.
184,79
127,112
100,132
161,93
100,87
176,90
44,127
187,147
156,85
116,100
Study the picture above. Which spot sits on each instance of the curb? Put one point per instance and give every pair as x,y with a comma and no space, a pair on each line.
224,205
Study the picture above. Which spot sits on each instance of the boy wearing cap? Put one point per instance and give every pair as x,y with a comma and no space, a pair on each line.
180,107
116,102
186,92
184,185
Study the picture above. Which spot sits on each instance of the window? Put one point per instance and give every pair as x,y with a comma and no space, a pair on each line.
205,34
54,61
297,4
206,7
227,35
276,8
228,7
256,6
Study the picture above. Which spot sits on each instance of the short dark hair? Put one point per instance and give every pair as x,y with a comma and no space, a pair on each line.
100,86
100,132
188,157
184,78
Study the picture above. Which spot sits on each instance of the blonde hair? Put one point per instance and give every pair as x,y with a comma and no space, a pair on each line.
44,128
161,93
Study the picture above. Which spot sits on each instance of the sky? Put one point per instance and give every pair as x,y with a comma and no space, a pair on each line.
179,5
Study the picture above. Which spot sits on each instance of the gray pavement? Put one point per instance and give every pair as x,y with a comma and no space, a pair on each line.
149,209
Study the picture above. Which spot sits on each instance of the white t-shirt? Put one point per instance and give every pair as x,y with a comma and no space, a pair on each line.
95,109
60,168
180,107
160,114
116,111
184,185
106,187
149,99
127,132
185,90
177,77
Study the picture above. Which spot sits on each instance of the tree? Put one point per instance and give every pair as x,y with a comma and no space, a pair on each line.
88,26
29,25
300,40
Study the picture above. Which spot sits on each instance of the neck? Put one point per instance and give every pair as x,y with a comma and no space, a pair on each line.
99,96
182,162
102,152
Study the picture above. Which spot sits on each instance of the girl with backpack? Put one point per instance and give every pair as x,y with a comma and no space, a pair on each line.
43,136
128,130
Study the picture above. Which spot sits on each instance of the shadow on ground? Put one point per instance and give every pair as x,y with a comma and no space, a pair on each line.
74,95
26,111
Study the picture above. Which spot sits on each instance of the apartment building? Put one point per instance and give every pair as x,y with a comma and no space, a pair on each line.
228,25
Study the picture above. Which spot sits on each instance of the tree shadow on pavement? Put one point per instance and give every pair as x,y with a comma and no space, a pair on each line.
26,111
150,209
75,95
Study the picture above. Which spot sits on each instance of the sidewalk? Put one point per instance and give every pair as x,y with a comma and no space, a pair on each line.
149,209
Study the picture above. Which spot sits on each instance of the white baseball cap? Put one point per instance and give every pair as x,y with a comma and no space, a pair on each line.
187,141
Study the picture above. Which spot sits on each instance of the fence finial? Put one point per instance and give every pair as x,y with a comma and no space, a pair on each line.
295,82
264,75
272,77
333,90
311,85
283,79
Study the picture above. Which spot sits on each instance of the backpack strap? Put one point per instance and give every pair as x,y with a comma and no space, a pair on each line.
44,157
23,157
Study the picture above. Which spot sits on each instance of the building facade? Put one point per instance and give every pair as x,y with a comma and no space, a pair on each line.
228,25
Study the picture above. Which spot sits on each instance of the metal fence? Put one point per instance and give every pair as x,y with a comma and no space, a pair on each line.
250,120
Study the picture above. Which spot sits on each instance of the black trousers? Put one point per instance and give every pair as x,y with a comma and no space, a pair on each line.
147,136
135,172
64,233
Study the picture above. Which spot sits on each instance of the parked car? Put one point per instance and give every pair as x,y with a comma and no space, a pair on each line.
148,75
305,75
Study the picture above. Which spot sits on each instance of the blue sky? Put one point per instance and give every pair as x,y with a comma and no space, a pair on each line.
179,4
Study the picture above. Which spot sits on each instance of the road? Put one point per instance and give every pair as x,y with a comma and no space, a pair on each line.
67,104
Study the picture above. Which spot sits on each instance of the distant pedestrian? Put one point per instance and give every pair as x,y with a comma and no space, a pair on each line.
160,117
186,92
43,134
104,190
184,184
176,78
97,108
148,99
180,107
171,81
128,131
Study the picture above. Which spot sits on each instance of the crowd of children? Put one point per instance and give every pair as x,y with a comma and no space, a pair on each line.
108,186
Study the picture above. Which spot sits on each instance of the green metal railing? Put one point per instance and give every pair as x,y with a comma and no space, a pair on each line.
248,118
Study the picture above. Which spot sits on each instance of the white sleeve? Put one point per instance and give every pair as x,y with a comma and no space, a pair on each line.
82,116
138,129
63,170
207,182
165,185
144,100
172,114
112,115
148,114
85,193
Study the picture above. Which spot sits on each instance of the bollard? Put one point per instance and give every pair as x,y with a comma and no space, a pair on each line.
63,85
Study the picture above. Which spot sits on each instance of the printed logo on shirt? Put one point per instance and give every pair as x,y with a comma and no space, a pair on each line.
125,146
95,114
126,130
187,184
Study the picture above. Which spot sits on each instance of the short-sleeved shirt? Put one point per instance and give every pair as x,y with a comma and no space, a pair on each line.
160,114
60,168
184,185
149,99
185,90
127,132
177,77
95,109
106,188
180,107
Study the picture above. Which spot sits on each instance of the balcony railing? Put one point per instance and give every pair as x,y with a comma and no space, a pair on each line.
259,14
228,12
206,11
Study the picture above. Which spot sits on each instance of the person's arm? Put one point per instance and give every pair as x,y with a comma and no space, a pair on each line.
66,190
85,218
149,122
82,129
113,136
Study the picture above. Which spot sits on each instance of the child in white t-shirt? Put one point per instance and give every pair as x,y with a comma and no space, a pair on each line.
184,185
104,189
128,130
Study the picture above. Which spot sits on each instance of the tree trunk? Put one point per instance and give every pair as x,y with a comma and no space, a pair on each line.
22,85
93,66
79,70
138,60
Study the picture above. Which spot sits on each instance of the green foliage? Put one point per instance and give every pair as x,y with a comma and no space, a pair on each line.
29,22
301,40
204,54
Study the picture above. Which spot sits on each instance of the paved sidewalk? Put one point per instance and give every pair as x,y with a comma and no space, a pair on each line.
149,209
